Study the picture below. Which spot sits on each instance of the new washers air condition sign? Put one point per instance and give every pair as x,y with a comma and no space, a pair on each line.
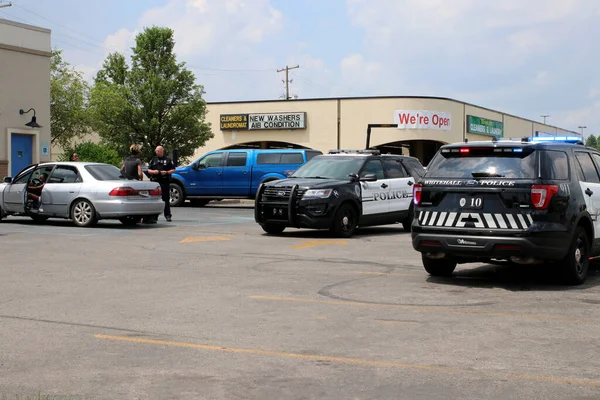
423,119
263,121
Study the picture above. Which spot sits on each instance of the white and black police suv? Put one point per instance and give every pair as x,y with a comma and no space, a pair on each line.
340,191
528,201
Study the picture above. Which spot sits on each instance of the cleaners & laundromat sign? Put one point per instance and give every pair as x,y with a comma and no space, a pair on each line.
484,126
423,119
263,121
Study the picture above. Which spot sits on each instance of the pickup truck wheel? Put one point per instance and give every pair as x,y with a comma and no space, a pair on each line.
575,265
345,221
176,196
273,229
438,266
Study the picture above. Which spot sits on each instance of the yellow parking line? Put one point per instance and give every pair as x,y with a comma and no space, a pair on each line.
347,360
312,243
441,310
192,239
388,273
392,322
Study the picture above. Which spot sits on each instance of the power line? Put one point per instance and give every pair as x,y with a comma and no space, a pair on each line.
287,81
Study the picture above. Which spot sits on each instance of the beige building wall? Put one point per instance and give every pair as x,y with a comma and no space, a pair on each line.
354,114
24,83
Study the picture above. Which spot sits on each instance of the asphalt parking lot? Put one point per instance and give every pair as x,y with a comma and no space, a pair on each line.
208,307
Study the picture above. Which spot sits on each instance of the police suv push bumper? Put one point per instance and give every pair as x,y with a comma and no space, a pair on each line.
284,206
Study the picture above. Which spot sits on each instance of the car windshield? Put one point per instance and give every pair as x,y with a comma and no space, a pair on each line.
104,172
329,167
484,163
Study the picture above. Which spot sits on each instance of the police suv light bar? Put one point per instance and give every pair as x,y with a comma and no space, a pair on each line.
347,151
562,139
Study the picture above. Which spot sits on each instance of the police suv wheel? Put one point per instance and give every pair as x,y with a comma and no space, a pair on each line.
407,223
176,196
575,264
438,266
345,221
273,229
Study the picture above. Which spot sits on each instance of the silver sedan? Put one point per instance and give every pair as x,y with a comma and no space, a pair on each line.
81,191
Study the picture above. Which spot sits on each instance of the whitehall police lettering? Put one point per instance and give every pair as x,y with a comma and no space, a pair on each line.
423,119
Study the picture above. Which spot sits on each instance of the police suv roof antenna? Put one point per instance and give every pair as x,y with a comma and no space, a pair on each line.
494,139
466,140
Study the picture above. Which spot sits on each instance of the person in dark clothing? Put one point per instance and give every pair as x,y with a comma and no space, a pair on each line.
160,169
132,165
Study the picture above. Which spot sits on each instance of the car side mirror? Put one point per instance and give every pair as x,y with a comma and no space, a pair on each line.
7,179
354,177
201,166
368,178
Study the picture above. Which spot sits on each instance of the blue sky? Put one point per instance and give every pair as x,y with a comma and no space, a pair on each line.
528,58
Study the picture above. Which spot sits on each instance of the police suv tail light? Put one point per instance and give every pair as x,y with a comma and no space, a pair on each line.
156,191
123,191
417,187
542,194
317,193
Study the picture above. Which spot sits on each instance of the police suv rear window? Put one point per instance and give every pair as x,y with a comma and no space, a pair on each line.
477,162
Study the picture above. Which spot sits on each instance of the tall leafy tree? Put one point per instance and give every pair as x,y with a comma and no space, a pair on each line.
69,117
154,101
592,141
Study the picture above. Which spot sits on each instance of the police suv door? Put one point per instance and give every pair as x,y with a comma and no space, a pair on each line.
590,186
374,194
400,181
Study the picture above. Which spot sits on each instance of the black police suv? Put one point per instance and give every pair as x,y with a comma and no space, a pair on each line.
339,191
528,201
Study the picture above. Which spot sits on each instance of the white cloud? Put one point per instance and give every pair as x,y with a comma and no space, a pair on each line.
526,57
120,41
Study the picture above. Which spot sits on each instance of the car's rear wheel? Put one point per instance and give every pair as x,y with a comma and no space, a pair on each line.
438,266
176,195
574,266
130,221
273,229
345,221
83,213
39,218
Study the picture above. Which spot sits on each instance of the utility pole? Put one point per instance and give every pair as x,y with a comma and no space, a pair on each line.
5,5
582,127
544,116
287,81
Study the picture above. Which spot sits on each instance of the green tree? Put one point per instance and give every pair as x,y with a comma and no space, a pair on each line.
69,117
154,102
93,152
592,141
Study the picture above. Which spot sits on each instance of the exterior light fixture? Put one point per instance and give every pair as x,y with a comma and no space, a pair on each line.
33,123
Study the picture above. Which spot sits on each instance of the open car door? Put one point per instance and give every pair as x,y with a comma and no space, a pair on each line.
15,193
38,177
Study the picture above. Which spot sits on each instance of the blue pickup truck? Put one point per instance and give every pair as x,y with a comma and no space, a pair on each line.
233,174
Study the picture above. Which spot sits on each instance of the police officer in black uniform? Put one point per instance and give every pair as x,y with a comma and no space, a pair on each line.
160,169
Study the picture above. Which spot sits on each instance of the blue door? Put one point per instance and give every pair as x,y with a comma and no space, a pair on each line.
236,174
207,177
21,152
